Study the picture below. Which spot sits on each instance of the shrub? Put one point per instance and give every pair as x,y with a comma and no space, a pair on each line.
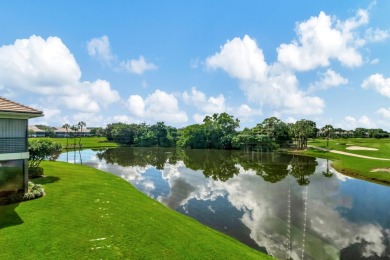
40,150
35,172
34,191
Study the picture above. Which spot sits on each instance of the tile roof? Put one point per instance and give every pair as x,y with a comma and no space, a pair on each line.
11,106
35,129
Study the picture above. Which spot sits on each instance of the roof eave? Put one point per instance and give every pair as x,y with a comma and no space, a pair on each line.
21,115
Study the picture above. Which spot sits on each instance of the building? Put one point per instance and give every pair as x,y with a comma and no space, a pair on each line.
13,146
34,131
61,132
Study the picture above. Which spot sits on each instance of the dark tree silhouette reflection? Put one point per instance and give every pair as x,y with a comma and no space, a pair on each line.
217,164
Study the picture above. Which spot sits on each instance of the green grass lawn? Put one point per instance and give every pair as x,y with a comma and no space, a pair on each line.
86,142
354,166
90,214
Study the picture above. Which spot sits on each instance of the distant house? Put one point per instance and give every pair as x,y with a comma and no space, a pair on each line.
34,131
61,132
13,146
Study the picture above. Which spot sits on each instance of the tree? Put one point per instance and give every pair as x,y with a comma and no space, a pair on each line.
74,128
145,136
220,129
97,131
193,136
303,129
275,129
327,173
66,126
302,167
328,130
80,125
161,132
361,132
41,149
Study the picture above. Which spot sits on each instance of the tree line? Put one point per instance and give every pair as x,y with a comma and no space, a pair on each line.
220,131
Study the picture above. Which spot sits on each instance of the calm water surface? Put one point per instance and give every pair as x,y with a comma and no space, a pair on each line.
291,207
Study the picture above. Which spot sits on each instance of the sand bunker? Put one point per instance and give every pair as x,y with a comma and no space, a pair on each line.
357,148
381,170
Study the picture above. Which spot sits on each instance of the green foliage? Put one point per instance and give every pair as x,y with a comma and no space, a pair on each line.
121,133
267,136
142,134
98,131
193,136
41,149
34,191
216,132
302,130
275,129
35,172
66,126
220,130
327,131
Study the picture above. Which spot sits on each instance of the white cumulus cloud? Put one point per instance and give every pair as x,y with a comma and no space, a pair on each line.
47,68
328,80
138,66
379,83
39,65
351,122
210,105
100,48
274,85
321,39
158,106
376,35
384,112
240,58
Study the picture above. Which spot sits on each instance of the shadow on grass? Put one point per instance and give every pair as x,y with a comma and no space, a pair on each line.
46,179
317,150
8,216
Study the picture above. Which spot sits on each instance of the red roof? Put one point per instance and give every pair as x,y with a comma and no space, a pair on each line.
11,106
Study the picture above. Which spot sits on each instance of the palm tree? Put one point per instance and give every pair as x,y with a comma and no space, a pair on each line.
80,125
66,126
328,129
327,173
74,128
303,130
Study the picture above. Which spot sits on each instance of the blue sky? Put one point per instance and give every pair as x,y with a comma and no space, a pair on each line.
177,61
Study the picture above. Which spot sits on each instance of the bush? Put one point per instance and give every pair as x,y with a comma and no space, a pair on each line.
34,191
35,172
40,150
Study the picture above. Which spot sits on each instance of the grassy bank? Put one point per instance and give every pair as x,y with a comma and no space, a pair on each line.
89,214
86,142
354,166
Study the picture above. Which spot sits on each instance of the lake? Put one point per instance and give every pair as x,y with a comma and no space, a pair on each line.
289,206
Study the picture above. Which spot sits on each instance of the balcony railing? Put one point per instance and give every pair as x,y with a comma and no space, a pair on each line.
13,145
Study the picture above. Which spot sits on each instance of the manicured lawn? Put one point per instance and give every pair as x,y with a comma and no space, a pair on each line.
86,142
383,146
90,214
354,166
